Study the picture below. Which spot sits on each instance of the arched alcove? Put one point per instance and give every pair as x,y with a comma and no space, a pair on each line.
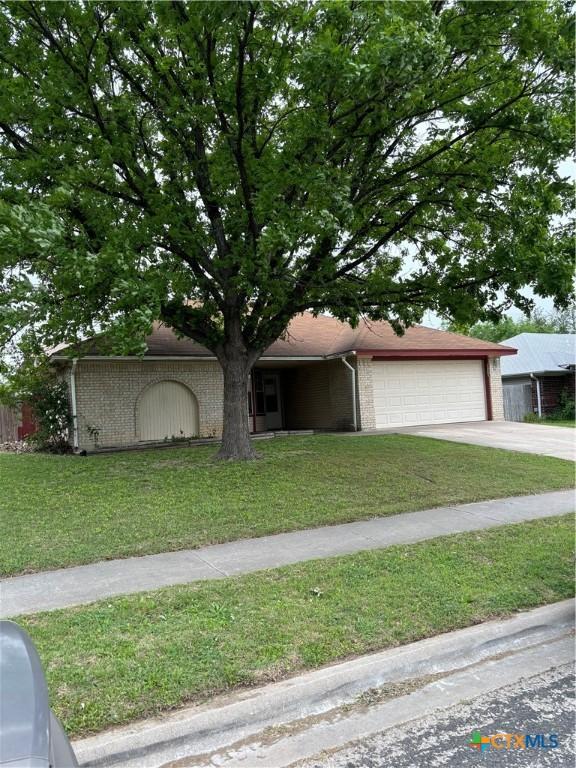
165,410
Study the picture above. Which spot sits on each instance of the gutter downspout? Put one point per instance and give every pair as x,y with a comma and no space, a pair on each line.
73,405
538,395
353,372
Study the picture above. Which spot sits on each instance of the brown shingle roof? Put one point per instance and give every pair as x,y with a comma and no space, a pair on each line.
309,336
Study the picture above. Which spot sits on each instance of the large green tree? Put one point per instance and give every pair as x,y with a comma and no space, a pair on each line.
223,166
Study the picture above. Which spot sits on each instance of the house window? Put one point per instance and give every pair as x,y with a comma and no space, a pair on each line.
270,394
258,392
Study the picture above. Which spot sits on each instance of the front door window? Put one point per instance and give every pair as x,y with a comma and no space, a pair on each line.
271,395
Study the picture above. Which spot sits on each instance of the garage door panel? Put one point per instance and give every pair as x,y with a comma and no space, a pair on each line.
409,393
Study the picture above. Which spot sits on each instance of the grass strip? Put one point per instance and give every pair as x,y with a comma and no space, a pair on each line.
126,658
57,511
554,422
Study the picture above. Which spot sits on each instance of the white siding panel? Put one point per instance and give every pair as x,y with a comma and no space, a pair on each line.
167,409
410,393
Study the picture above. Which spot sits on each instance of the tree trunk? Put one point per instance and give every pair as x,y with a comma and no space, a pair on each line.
236,442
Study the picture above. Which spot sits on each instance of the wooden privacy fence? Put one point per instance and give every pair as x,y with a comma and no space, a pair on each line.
517,401
9,423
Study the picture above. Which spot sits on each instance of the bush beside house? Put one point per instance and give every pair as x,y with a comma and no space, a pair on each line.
40,398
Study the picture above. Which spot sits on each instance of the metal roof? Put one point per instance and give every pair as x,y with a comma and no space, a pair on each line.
539,353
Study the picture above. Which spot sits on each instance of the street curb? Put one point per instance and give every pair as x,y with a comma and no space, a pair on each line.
229,720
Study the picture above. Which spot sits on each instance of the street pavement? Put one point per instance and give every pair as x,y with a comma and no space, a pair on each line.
542,704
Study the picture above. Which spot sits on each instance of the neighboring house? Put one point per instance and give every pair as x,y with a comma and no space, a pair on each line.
323,375
535,378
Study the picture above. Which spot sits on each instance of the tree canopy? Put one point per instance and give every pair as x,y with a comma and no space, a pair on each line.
224,166
537,322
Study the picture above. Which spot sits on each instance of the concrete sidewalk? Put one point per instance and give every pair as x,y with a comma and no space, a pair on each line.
284,723
49,590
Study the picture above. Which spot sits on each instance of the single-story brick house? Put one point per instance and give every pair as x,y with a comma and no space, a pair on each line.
323,375
536,377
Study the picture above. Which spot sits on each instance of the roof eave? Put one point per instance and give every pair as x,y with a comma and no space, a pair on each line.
441,353
199,358
548,372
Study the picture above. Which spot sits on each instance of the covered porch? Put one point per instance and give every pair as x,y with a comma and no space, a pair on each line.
297,395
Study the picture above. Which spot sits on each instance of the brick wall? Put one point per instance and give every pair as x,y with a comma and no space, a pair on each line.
107,394
318,396
551,388
496,392
367,417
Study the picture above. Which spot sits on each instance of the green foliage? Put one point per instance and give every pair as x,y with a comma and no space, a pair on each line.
259,159
36,384
532,418
506,327
566,411
49,401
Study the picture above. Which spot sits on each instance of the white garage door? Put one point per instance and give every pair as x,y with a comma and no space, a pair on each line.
428,392
167,410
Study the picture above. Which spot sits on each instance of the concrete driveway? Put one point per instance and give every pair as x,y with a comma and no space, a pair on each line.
511,435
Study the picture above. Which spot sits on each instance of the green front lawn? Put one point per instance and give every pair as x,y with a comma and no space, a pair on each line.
126,658
57,511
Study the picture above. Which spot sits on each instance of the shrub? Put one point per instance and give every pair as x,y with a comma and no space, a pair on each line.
37,385
531,418
566,411
49,403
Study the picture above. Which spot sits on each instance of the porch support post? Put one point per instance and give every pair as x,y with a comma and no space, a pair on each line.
353,372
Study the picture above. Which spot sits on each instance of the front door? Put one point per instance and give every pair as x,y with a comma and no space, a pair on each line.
272,407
